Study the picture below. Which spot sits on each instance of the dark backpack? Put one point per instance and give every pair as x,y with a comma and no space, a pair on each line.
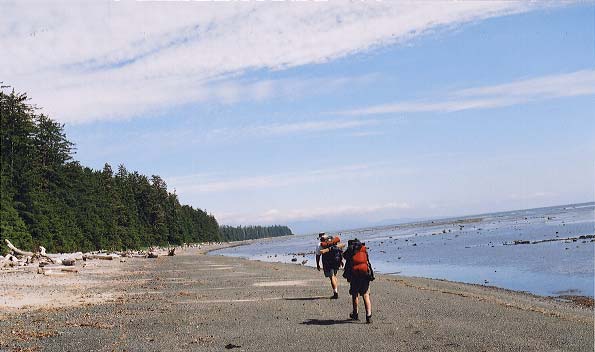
333,258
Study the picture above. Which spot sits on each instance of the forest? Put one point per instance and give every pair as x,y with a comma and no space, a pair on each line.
49,199
251,232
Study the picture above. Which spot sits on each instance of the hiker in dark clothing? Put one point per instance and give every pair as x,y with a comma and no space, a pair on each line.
359,273
330,251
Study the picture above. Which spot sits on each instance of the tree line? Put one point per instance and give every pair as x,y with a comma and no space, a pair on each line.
47,198
240,233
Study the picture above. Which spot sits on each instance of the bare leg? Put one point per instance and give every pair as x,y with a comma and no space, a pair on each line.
334,283
355,302
368,304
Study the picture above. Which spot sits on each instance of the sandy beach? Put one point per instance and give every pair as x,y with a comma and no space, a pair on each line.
211,303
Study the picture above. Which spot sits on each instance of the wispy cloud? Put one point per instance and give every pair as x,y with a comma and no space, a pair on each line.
84,61
520,92
195,184
276,216
278,129
232,91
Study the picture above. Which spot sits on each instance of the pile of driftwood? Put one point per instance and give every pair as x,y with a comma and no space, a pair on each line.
47,262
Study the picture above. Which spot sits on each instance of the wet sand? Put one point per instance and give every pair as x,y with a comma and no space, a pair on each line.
213,303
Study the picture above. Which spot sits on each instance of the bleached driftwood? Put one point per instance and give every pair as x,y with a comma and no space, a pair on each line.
12,261
68,259
16,250
62,257
100,256
53,258
6,261
57,271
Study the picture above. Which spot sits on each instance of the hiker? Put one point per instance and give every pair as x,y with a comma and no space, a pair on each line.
331,253
359,273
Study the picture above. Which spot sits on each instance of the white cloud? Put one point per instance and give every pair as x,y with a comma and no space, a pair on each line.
520,92
195,184
275,216
95,60
278,129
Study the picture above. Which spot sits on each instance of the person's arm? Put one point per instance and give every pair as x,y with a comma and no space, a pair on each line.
318,248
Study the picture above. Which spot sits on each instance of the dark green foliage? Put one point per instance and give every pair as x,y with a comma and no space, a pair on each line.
50,200
229,233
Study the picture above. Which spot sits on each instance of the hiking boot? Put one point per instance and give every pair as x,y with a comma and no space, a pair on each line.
368,319
354,316
335,295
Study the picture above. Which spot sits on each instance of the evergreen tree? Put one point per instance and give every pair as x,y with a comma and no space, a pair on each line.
51,200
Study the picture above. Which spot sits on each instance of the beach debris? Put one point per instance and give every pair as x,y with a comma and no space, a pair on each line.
580,300
521,242
304,261
229,346
567,239
92,324
294,259
56,270
57,264
100,256
27,257
203,339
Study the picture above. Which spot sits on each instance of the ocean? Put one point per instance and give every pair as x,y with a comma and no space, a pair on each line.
546,251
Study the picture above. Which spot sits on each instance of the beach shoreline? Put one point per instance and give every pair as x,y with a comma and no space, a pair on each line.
580,300
195,301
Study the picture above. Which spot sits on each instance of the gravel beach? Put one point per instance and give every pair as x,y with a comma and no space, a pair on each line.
212,303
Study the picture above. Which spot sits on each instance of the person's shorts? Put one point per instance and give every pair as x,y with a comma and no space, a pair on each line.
359,285
330,272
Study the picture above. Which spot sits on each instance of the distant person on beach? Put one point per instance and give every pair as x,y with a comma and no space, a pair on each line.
330,252
359,273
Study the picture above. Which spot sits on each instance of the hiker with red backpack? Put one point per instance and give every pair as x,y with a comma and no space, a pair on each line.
358,272
330,251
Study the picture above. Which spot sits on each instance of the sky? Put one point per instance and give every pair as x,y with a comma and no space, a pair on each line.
321,115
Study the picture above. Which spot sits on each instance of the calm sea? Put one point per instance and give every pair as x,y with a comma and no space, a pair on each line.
536,250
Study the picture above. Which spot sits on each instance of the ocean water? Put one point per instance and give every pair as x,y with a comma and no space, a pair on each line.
548,259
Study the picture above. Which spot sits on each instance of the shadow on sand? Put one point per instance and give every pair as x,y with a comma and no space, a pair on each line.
305,298
326,322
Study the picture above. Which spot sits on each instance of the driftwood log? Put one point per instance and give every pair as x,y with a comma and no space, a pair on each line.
100,256
53,258
16,250
48,261
68,259
10,261
57,271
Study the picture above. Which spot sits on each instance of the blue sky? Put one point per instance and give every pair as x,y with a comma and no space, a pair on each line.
323,116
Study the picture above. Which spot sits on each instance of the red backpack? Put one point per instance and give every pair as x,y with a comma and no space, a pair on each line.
360,262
